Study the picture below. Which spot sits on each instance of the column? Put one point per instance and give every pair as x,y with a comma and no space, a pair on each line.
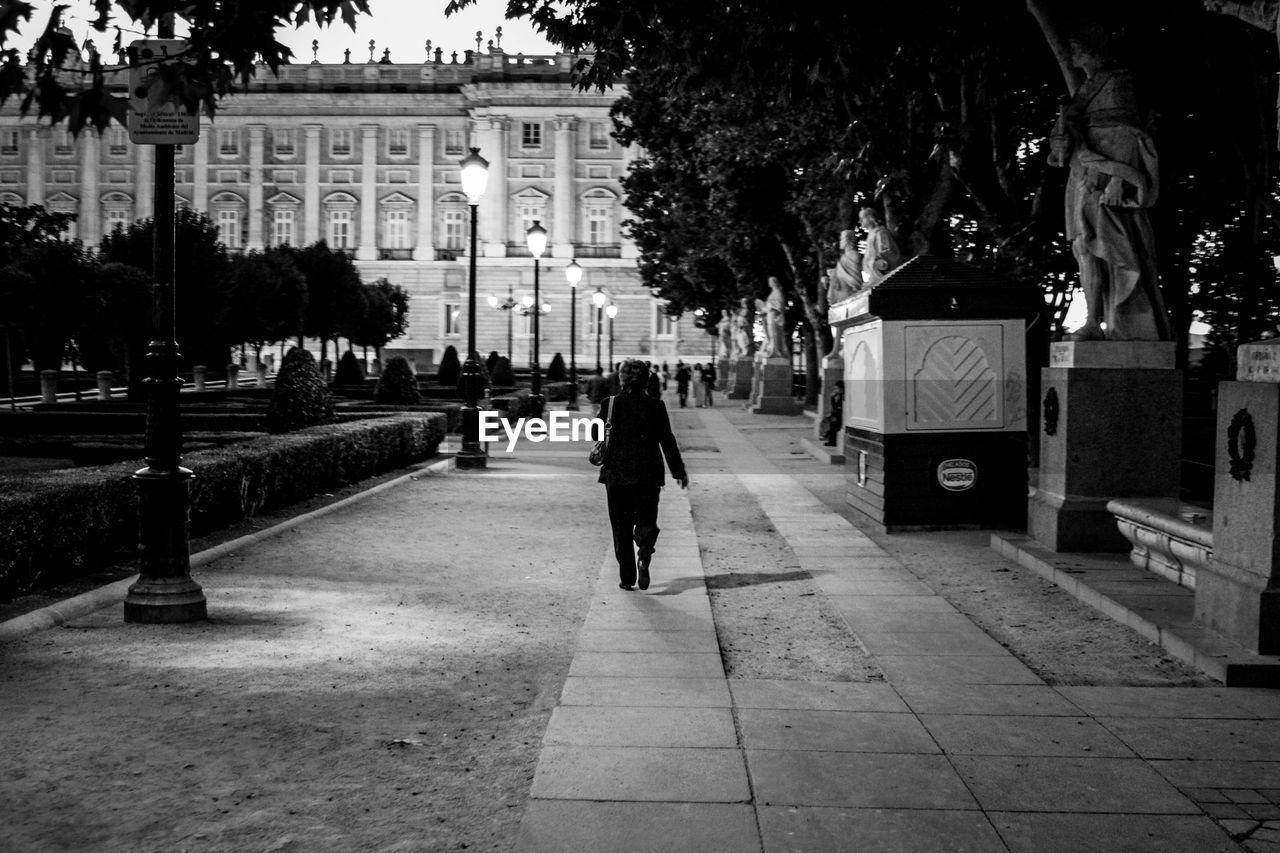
367,248
200,171
37,138
495,194
630,154
423,250
311,187
89,226
257,133
144,182
562,213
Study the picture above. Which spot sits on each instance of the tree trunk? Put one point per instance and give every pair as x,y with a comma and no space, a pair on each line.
1055,34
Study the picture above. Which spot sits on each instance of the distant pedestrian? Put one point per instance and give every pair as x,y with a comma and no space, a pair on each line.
653,385
708,382
697,384
683,376
666,376
639,437
597,390
835,417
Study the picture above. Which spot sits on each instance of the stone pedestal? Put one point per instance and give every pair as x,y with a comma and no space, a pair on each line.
233,376
1111,427
199,375
48,386
723,380
104,384
1238,593
771,389
738,382
261,372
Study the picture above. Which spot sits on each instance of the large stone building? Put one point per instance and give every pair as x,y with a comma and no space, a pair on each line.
366,156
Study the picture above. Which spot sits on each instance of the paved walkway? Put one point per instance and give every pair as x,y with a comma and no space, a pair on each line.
651,748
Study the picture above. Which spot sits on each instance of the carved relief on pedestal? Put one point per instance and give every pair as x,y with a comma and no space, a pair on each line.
955,379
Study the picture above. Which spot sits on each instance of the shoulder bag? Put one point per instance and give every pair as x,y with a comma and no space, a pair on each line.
601,448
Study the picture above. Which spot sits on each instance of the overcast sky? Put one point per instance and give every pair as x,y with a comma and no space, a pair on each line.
402,25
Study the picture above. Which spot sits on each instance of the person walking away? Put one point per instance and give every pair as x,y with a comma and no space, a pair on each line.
597,390
697,385
835,418
639,438
653,385
683,376
709,382
666,376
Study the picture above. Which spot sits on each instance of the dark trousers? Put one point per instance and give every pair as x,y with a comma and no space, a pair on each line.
633,515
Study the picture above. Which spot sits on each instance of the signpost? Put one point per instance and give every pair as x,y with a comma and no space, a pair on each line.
164,591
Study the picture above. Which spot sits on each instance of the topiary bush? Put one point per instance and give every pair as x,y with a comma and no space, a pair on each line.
349,372
492,361
397,385
503,376
555,370
301,398
450,368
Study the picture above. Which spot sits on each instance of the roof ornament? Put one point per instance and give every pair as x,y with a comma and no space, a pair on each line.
428,50
498,33
315,49
479,39
372,44
346,56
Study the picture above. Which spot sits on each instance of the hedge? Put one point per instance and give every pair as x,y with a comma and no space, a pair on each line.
58,524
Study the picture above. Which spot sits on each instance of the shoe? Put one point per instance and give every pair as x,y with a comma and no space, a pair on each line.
624,586
643,566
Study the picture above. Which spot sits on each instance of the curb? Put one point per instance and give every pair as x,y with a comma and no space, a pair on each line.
86,603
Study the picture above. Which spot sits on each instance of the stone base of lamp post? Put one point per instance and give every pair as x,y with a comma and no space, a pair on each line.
472,454
165,592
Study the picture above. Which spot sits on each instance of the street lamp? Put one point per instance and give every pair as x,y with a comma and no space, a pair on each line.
573,273
509,305
475,175
536,239
612,311
598,299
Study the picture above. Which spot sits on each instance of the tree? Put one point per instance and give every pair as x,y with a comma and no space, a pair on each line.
334,292
386,316
268,297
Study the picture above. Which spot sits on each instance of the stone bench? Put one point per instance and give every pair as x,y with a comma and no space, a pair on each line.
1170,538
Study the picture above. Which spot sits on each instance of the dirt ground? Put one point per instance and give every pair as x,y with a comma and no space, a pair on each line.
434,741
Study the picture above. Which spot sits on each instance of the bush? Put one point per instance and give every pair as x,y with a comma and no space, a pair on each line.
555,370
450,368
503,376
397,385
492,361
59,524
301,398
349,370
520,404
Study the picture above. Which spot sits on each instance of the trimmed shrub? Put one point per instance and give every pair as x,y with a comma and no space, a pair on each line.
301,398
519,404
492,361
502,374
450,368
555,370
55,525
349,370
397,385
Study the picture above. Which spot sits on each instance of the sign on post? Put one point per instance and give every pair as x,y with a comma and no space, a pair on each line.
154,118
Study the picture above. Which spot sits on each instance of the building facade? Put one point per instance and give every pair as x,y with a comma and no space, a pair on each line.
366,157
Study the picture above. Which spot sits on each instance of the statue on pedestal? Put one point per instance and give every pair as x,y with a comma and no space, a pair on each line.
882,255
845,278
1113,181
725,331
742,331
774,311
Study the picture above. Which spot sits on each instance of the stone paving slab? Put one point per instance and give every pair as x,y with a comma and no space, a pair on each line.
804,830
816,696
968,734
557,826
1182,702
1208,773
956,669
995,699
1072,833
971,641
1224,740
585,725
641,664
654,774
1047,784
868,780
649,640
629,691
833,731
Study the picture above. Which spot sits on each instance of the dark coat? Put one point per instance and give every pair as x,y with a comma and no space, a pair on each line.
639,437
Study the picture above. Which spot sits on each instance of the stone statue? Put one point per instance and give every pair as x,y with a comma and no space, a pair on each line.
725,330
774,312
845,278
1263,14
1113,181
882,255
742,331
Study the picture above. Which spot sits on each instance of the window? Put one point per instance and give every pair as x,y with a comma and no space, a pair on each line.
454,140
532,171
117,176
64,144
530,212
228,176
597,226
341,142
228,222
664,325
10,177
285,176
229,142
598,172
282,142
282,225
531,134
9,139
64,176
452,318
341,176
455,228
116,217
397,176
398,142
396,229
118,142
340,229
598,135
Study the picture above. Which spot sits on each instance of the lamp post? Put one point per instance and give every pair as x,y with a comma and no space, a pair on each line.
612,311
475,174
509,305
598,299
536,239
573,273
